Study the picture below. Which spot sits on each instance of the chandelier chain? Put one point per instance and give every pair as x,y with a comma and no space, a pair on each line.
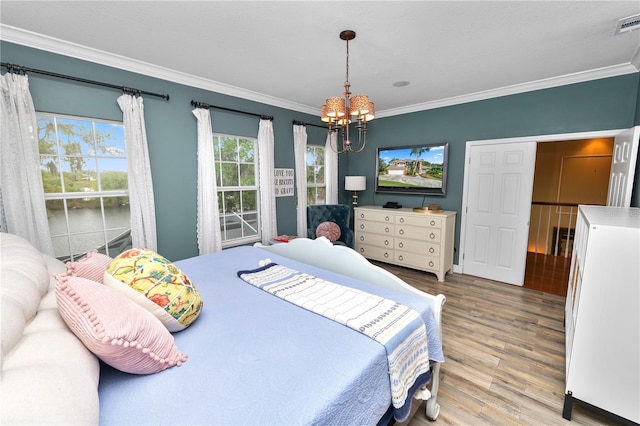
346,81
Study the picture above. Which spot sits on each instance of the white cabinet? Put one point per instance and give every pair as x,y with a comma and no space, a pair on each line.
602,315
403,237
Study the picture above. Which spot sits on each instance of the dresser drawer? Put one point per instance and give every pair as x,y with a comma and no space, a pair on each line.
416,260
425,220
404,237
417,246
418,233
373,252
375,227
375,216
384,241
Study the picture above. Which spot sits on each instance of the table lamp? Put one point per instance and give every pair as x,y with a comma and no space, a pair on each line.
355,184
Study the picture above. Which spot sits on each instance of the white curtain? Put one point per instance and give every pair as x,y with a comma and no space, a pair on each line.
331,167
268,222
143,212
208,224
22,207
299,155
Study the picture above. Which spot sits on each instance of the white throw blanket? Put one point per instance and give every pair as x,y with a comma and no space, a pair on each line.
398,328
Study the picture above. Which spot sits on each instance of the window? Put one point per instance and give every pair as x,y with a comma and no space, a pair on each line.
316,186
237,181
84,176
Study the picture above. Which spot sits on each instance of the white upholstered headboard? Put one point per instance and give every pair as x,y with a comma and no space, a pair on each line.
48,376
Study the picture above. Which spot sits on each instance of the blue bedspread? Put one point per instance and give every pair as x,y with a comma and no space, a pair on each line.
255,359
397,327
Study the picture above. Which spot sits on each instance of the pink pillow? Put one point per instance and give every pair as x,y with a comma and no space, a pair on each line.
91,267
330,230
117,330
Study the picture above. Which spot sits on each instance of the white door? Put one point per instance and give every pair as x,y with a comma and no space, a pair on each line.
500,184
623,167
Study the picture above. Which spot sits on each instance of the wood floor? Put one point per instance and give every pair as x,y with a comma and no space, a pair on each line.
504,352
547,273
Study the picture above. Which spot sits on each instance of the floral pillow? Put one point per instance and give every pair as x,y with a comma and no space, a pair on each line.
156,284
115,329
91,267
330,230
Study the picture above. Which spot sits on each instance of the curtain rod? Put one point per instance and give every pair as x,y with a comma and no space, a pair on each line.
302,123
128,90
207,106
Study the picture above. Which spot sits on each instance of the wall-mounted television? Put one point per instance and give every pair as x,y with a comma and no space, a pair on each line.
413,169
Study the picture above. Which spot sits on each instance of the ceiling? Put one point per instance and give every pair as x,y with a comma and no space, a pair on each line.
289,54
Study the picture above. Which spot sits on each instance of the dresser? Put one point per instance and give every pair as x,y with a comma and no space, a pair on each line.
403,237
602,319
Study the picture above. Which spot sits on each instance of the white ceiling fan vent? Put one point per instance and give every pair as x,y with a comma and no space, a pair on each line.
628,24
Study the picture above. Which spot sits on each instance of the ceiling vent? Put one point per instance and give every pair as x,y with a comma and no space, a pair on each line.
628,24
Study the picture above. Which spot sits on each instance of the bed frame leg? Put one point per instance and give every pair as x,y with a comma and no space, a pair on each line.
433,408
568,405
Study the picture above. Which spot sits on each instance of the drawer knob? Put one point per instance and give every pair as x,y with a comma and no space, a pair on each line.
386,229
386,242
431,263
401,232
433,223
400,258
361,250
432,235
361,237
400,245
386,255
432,250
386,218
402,220
361,215
362,226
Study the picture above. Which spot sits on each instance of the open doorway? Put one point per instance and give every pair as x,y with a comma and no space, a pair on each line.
497,196
567,173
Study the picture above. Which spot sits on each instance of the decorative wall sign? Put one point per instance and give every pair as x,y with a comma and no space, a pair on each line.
283,182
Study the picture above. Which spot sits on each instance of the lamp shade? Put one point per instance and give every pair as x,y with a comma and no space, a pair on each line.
336,107
324,117
359,105
355,183
372,112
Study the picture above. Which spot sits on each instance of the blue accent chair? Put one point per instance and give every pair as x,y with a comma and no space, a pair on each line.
337,213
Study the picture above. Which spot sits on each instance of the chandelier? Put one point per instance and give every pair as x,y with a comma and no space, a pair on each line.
339,112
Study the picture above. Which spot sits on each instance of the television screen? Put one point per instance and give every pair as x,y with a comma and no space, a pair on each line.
413,169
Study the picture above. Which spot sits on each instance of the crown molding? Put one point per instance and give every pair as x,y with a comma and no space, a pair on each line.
65,48
54,45
579,77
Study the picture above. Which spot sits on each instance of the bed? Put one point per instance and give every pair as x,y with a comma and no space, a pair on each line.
256,359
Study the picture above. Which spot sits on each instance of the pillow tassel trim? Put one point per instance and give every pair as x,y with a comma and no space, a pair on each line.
117,346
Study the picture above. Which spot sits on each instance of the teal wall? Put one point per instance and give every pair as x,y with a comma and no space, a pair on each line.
610,103
171,133
596,105
638,102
